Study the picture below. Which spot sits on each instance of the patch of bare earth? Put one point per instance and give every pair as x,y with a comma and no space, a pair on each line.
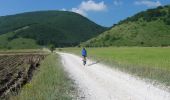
16,69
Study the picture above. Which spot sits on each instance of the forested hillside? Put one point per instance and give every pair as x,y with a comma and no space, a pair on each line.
147,28
59,28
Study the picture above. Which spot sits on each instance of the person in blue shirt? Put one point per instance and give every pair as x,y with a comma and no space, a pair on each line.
84,54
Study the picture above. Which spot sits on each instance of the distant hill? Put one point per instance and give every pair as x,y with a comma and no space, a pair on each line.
147,28
42,28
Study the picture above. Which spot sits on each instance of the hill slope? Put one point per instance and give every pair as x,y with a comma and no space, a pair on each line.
147,28
60,28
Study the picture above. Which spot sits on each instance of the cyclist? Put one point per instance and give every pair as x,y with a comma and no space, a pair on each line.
84,54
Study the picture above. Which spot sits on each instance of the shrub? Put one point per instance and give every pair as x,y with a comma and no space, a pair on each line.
51,47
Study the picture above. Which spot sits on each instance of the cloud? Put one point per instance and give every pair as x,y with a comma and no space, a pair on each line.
90,5
79,11
148,3
117,2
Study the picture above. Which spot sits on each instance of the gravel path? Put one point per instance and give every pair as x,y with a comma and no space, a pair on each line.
99,82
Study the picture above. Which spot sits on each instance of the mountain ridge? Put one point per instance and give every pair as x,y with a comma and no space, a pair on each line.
59,28
147,28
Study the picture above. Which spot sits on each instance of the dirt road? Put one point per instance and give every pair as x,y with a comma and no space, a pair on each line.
99,82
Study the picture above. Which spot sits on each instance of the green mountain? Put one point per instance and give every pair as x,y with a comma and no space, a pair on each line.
147,28
42,28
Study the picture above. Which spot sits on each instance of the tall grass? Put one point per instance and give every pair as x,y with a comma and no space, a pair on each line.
49,83
147,62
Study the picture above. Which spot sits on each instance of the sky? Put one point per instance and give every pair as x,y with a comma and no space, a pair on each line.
102,12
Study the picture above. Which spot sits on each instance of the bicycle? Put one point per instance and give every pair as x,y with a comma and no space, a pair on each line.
84,61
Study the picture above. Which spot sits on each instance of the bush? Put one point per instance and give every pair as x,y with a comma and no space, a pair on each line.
51,47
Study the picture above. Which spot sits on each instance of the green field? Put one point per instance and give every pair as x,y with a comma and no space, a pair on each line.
49,83
146,62
18,43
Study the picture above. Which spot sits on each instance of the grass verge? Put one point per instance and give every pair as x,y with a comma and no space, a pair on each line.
49,83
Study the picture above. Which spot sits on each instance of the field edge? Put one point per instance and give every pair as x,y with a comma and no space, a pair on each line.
49,82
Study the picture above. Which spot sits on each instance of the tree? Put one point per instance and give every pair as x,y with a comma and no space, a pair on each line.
51,47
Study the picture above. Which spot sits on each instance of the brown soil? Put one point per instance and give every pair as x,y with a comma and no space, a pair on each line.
16,70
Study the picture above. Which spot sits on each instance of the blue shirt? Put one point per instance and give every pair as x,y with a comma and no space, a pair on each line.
84,52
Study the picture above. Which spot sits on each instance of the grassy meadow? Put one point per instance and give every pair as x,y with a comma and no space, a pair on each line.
49,83
146,62
19,43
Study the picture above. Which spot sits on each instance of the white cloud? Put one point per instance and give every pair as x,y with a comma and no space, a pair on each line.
89,5
117,2
79,11
148,3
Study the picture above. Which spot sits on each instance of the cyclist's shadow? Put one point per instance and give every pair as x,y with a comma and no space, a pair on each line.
93,63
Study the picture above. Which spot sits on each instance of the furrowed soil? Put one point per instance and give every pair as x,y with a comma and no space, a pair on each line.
16,69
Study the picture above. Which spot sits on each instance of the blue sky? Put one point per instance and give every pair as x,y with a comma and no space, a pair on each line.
103,12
